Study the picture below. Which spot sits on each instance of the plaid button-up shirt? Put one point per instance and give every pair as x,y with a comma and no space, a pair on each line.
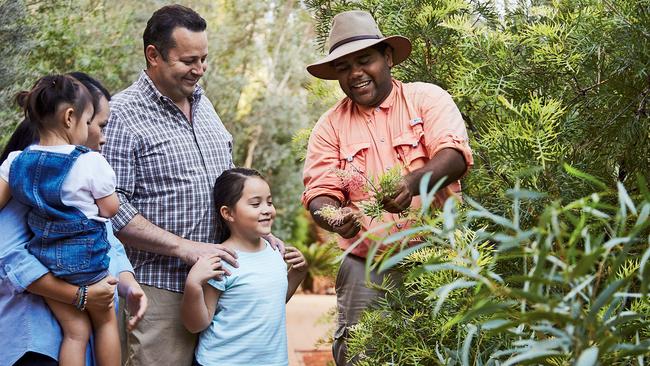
166,168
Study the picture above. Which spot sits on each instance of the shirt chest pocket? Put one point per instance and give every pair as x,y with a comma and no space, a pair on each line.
409,146
353,159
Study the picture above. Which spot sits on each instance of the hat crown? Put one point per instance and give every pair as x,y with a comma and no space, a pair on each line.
352,25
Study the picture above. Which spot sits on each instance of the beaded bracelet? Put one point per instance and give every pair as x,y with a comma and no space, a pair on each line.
83,305
77,296
82,298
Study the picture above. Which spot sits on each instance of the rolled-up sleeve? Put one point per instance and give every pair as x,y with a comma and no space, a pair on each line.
322,158
18,265
119,151
443,124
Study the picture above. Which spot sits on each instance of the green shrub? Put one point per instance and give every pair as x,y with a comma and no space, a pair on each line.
322,259
483,289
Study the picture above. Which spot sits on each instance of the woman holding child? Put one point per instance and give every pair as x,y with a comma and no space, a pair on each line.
32,335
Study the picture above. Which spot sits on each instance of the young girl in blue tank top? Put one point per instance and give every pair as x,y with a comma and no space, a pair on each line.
240,312
71,194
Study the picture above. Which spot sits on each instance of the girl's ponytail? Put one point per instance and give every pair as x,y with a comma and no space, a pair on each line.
41,103
21,99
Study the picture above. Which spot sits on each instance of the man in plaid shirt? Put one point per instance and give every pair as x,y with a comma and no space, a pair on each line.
167,146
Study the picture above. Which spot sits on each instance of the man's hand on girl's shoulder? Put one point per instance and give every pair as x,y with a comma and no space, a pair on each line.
276,243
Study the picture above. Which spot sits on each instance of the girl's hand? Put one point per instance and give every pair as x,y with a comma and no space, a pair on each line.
136,305
101,294
205,268
297,261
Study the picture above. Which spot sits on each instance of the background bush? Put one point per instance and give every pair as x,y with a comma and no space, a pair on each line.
255,79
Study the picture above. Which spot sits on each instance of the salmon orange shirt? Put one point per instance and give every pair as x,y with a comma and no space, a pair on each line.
414,122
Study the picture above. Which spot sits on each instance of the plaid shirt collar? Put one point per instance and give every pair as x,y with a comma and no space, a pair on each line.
149,89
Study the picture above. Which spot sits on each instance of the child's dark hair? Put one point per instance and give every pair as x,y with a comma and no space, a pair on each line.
227,191
48,93
95,88
25,134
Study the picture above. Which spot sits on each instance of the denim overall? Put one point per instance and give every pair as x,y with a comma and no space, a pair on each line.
72,246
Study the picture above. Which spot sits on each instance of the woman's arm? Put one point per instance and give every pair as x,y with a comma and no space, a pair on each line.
136,300
5,193
298,270
199,298
100,294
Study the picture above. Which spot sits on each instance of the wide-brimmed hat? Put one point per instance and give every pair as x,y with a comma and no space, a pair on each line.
353,31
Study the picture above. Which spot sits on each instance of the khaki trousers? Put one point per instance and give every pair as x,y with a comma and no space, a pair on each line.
352,298
160,338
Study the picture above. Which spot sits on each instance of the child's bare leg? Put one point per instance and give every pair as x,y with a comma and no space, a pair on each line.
76,333
107,338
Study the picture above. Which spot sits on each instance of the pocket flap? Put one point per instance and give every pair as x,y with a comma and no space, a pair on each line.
348,152
407,138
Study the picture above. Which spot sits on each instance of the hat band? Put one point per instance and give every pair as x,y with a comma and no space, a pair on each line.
352,39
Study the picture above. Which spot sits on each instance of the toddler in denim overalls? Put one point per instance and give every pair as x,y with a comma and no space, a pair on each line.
71,245
71,194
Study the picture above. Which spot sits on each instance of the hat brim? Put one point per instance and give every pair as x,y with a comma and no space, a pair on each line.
323,68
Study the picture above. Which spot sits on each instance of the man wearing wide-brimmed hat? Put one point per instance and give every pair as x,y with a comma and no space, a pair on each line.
381,123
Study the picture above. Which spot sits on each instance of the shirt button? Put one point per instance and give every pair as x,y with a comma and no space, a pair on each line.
382,139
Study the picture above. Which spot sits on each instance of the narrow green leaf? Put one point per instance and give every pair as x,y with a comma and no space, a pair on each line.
496,325
471,331
644,271
585,264
524,194
588,357
499,220
393,260
615,241
584,176
483,308
443,291
624,198
527,295
408,233
531,356
642,220
452,267
602,299
578,288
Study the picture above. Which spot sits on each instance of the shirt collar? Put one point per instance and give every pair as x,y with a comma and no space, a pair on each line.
385,105
149,88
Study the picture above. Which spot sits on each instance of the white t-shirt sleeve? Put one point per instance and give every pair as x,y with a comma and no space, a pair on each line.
101,177
6,165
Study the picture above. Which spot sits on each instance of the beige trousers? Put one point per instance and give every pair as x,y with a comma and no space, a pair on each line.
160,338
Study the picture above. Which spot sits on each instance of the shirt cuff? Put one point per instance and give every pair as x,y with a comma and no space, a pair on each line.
124,215
312,193
21,279
457,143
